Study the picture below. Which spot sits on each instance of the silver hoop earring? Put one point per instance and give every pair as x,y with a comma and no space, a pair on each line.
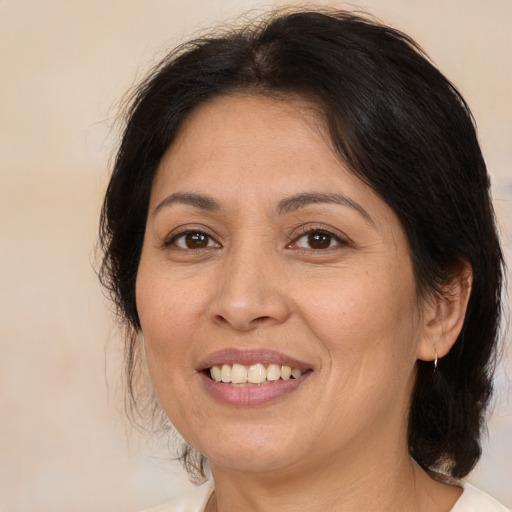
435,360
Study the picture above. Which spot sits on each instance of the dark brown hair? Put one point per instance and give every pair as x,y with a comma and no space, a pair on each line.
401,127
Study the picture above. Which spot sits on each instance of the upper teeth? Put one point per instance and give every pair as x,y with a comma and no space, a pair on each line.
254,374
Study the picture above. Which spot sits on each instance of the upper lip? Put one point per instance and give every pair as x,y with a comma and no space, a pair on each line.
250,357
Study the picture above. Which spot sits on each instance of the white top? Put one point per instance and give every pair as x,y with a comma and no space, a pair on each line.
475,500
471,500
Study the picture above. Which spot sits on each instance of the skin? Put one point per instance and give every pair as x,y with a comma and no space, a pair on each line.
347,306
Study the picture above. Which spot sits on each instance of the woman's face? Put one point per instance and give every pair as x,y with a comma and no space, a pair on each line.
261,248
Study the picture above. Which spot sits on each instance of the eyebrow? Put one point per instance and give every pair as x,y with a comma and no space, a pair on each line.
197,200
286,205
299,201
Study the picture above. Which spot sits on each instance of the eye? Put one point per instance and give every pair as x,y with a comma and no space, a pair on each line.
318,240
192,240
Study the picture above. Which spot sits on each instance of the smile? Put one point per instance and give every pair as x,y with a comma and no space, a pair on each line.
248,378
239,374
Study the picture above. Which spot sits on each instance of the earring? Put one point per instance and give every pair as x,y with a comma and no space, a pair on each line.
435,360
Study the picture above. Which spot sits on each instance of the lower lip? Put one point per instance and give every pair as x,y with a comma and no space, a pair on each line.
251,395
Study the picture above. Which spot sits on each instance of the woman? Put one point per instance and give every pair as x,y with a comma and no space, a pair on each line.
299,235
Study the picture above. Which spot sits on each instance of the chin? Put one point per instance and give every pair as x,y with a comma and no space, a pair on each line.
264,462
253,452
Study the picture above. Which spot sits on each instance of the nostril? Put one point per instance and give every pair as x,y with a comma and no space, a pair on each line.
221,319
252,323
261,319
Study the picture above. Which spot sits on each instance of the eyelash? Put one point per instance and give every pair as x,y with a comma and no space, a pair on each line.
212,243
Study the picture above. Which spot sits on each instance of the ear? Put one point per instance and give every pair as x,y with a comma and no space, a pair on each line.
444,313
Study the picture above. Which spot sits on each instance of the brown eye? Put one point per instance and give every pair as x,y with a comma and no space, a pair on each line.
318,240
194,240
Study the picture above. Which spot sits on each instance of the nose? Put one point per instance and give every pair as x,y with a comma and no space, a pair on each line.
250,292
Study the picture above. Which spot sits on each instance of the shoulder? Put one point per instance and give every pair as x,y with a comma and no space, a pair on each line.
475,500
194,500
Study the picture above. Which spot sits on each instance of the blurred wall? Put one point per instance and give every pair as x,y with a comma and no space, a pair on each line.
64,442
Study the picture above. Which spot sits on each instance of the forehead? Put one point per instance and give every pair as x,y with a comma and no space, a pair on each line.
245,139
271,111
244,121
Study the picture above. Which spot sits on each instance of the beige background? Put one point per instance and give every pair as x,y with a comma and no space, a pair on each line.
63,66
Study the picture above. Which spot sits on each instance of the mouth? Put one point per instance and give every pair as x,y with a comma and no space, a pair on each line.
252,377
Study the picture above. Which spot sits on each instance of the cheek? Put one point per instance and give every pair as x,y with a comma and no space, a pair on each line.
172,316
164,306
165,321
364,318
169,324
